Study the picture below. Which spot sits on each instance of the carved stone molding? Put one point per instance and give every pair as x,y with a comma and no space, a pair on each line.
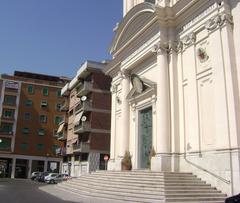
176,46
189,39
124,74
113,89
161,47
218,21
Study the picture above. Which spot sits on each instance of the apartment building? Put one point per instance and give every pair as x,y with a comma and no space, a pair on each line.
29,116
85,130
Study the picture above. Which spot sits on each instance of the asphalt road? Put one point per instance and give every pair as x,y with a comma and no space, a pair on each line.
27,191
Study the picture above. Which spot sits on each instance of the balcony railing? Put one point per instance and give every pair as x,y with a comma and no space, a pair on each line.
84,88
65,106
87,105
62,136
12,104
61,151
81,147
6,133
82,127
7,119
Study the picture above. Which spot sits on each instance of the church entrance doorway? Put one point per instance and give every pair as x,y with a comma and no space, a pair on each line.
145,135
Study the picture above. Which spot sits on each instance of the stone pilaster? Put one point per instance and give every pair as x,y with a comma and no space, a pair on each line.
162,161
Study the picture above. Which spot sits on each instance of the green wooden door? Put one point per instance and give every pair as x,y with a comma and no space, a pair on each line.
145,136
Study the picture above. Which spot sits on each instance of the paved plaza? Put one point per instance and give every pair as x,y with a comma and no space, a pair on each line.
27,191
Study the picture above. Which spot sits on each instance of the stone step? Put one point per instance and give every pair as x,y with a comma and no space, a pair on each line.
143,181
144,177
113,197
142,184
148,173
144,189
162,193
153,199
140,181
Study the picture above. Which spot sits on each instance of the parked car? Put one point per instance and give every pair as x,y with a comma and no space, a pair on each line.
41,176
52,178
35,174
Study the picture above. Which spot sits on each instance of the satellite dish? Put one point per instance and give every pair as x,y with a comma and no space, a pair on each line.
84,118
83,98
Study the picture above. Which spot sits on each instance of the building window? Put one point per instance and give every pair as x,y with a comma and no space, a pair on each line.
54,147
27,116
43,118
23,146
58,107
44,103
30,89
45,91
71,112
58,93
25,131
10,100
8,113
58,120
6,128
5,144
28,102
84,157
40,147
41,132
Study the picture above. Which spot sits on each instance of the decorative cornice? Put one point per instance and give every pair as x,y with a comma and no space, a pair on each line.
113,89
218,21
189,39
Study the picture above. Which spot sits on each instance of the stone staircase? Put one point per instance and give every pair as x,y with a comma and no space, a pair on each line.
144,186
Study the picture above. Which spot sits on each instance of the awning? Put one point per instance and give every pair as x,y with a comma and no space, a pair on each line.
78,118
60,128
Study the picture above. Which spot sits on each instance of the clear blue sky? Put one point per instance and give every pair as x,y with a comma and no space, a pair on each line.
55,36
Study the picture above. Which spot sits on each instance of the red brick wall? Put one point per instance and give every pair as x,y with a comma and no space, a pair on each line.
101,81
100,141
32,139
100,120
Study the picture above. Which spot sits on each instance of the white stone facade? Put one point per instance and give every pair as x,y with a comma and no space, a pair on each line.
185,56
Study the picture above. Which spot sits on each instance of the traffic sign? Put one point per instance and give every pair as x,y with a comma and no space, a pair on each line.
105,158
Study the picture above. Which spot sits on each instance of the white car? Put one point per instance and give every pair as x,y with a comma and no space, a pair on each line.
50,178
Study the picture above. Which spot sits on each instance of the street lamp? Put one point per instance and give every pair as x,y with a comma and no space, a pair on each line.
0,140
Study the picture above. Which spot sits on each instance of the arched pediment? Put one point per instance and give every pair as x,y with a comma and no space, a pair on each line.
133,22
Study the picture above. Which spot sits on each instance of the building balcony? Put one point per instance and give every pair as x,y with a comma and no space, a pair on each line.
9,104
84,88
61,151
65,107
7,119
86,106
5,149
81,147
62,136
6,133
64,121
82,127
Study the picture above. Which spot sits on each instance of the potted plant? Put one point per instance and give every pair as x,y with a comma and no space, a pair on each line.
126,161
151,154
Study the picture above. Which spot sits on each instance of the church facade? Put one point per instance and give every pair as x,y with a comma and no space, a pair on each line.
175,89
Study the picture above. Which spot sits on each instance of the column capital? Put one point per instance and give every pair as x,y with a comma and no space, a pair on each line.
161,47
218,21
113,88
124,74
